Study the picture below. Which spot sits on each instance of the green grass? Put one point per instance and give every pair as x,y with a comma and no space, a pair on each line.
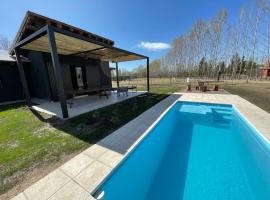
26,142
167,89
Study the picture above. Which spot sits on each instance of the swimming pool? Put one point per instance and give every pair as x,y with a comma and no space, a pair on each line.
196,151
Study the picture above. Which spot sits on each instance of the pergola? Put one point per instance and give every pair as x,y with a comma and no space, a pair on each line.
56,40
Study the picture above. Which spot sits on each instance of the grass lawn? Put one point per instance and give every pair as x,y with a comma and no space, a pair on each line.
27,142
257,93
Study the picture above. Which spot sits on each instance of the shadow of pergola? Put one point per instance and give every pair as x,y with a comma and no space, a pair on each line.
108,126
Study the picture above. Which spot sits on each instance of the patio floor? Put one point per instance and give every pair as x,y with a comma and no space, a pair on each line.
81,104
79,177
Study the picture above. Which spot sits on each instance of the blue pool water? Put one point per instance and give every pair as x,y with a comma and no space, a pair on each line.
196,151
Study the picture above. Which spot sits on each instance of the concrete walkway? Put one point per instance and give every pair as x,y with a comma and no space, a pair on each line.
79,177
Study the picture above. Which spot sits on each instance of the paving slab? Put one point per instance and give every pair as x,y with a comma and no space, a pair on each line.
20,196
90,177
110,158
47,186
95,151
72,191
73,167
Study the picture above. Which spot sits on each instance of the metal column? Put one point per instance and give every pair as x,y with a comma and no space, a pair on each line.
147,74
57,72
23,78
117,78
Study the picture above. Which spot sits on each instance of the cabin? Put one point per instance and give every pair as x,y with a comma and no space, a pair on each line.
266,70
54,61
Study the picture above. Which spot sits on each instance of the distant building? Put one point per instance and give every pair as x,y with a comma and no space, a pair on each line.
266,70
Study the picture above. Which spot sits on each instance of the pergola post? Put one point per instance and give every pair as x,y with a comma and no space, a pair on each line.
117,77
57,71
147,74
23,78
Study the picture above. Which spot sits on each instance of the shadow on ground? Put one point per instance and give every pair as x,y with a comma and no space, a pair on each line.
93,126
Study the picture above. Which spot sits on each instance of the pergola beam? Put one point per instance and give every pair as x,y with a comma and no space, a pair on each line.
39,33
57,71
75,35
88,51
78,36
23,78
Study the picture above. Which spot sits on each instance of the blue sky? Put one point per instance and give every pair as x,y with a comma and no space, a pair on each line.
128,22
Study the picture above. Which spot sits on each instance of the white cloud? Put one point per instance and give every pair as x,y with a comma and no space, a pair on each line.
154,46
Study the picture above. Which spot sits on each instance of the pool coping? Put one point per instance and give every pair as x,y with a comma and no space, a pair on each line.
83,174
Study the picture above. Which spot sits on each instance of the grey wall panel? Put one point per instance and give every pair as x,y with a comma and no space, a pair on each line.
105,74
52,81
97,73
39,83
66,78
93,76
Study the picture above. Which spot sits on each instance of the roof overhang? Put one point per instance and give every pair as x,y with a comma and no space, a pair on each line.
33,22
69,43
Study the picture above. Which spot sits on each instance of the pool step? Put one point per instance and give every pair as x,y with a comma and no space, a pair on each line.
222,111
222,116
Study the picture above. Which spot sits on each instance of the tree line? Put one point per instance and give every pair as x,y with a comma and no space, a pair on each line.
217,49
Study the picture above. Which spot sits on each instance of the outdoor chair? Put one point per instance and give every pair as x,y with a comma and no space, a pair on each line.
130,87
216,87
123,90
189,87
201,86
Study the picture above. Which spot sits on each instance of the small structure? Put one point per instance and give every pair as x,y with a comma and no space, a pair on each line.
65,60
10,83
266,70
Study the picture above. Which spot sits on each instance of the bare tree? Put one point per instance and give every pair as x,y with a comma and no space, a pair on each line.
254,31
4,43
210,46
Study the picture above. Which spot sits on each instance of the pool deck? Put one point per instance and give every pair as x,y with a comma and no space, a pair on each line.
79,177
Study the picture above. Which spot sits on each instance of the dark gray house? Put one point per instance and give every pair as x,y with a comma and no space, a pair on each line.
10,83
63,61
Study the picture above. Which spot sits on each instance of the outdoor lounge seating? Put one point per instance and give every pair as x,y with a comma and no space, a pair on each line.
132,87
123,90
201,86
102,91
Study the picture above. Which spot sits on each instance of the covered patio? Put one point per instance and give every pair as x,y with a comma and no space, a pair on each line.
57,39
82,104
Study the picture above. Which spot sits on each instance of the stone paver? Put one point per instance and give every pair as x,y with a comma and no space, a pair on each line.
90,177
47,186
77,178
111,158
20,196
95,151
76,165
72,191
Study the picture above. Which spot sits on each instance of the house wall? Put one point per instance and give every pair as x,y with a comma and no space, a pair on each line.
106,79
38,81
10,83
41,80
97,73
265,73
